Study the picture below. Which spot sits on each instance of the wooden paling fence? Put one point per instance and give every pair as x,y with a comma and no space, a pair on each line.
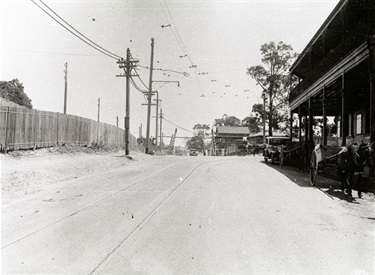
26,129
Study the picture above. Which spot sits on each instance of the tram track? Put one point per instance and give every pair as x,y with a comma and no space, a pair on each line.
104,215
91,204
102,264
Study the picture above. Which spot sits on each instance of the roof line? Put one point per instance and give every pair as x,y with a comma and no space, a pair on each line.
328,20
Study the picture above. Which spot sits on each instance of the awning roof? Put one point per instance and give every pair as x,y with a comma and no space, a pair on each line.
227,130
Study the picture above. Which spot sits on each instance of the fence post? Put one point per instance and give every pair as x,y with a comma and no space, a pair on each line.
57,132
6,130
15,130
35,127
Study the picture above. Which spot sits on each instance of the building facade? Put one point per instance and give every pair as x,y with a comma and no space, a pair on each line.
336,73
228,140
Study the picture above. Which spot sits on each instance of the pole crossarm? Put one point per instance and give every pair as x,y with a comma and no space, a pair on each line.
122,63
165,81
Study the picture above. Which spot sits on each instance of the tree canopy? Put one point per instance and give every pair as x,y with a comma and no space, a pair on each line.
201,129
14,91
227,121
196,142
274,78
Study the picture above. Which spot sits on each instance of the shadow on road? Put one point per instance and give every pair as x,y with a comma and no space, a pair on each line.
329,186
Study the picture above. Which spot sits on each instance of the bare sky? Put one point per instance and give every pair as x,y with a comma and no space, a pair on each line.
222,38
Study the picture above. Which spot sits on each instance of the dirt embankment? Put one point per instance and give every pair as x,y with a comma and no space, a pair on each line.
25,173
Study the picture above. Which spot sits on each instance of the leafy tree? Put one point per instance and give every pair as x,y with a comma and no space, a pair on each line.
255,120
196,142
14,91
227,121
252,122
202,129
275,80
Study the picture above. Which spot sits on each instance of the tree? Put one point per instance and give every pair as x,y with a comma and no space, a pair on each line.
275,81
14,91
255,120
202,129
227,121
196,142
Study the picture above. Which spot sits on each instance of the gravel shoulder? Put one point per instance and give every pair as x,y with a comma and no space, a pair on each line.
27,173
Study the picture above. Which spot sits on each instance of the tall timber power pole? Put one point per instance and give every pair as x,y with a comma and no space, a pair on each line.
127,65
66,85
149,98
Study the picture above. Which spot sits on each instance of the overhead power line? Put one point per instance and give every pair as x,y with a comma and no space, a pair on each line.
174,30
165,70
177,125
80,36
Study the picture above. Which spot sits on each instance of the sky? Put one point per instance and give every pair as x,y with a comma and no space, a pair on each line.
222,38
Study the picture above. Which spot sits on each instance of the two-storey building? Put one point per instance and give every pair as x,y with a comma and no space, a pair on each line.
336,73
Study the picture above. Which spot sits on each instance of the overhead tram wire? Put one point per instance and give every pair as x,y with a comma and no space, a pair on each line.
164,70
90,43
181,43
177,125
140,79
178,34
178,39
137,74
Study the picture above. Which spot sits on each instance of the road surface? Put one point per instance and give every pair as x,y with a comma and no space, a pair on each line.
193,215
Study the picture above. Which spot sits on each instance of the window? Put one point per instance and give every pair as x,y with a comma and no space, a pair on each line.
358,124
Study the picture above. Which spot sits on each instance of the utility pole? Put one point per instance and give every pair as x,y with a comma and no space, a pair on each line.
127,66
97,130
127,106
66,85
161,126
157,119
149,97
117,121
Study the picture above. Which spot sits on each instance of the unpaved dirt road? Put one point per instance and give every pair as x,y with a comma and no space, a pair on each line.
88,214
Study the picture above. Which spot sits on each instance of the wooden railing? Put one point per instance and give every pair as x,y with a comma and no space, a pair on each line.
350,42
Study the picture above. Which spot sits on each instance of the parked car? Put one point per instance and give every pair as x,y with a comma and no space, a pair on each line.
273,148
193,152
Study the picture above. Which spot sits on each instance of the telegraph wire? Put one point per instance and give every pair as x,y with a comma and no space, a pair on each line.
178,34
177,125
52,53
79,31
165,70
175,33
182,45
137,74
136,86
96,47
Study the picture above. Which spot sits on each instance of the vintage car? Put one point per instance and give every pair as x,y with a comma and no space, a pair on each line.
193,152
273,148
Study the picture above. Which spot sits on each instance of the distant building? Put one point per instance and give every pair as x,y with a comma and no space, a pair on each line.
256,139
227,140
